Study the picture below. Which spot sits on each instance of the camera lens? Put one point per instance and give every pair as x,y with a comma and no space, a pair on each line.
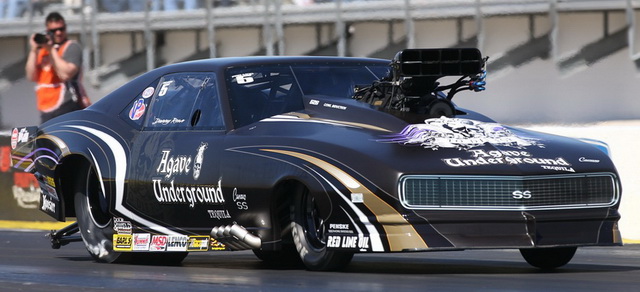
40,39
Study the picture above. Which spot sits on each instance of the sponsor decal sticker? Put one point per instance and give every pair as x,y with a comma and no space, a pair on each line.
141,241
198,243
122,242
197,164
14,138
340,228
479,157
173,165
48,205
216,245
121,226
158,243
137,110
167,192
177,242
465,134
190,195
359,242
148,92
357,198
50,192
50,181
20,136
219,214
587,160
240,200
460,134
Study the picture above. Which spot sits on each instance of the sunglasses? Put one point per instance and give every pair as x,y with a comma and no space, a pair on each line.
54,30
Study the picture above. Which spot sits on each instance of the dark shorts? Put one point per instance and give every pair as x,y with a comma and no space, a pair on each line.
66,107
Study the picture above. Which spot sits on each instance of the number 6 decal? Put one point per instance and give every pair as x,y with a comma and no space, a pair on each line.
164,88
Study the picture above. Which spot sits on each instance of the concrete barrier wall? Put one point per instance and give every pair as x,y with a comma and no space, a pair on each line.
19,195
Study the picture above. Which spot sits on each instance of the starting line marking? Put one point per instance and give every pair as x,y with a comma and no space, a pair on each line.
35,225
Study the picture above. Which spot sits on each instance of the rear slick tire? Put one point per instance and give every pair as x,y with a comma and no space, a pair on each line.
96,227
94,220
309,237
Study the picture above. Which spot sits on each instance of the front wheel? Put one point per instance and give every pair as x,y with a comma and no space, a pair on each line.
287,256
310,238
548,258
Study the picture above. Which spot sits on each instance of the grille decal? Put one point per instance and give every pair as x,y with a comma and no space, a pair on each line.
576,191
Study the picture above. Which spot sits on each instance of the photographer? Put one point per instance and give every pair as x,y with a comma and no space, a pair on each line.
54,63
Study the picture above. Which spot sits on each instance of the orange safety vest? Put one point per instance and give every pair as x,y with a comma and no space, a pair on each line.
50,89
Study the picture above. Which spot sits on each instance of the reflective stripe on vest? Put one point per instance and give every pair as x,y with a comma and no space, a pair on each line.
49,89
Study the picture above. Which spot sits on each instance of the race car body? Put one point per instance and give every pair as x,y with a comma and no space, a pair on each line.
316,158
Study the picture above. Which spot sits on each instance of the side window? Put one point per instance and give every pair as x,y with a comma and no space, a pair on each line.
208,113
180,100
337,81
134,113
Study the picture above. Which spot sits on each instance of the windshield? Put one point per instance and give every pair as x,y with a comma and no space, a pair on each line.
261,91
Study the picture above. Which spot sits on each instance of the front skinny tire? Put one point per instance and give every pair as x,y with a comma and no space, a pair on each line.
309,236
548,258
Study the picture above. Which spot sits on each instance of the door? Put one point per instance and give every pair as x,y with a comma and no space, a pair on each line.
174,177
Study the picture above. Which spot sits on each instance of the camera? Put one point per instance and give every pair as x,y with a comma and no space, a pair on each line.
41,38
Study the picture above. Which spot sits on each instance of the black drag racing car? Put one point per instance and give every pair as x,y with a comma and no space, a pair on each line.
315,159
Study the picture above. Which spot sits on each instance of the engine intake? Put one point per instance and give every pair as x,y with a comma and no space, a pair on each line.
412,89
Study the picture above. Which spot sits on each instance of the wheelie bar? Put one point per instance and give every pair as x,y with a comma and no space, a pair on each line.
64,236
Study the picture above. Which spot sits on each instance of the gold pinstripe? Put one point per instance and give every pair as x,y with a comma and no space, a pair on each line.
400,234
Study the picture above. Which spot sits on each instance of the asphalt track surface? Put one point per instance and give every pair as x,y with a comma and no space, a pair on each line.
27,263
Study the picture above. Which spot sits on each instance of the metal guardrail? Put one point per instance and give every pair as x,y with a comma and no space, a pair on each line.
352,11
273,15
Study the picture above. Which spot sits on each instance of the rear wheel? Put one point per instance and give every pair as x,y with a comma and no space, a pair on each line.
96,227
548,258
310,238
94,220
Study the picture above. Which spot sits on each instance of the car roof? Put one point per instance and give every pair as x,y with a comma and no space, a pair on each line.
120,97
214,64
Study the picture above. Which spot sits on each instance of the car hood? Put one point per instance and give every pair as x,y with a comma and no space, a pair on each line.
466,146
361,136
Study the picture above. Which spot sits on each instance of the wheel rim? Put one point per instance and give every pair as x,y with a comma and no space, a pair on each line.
314,225
97,202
